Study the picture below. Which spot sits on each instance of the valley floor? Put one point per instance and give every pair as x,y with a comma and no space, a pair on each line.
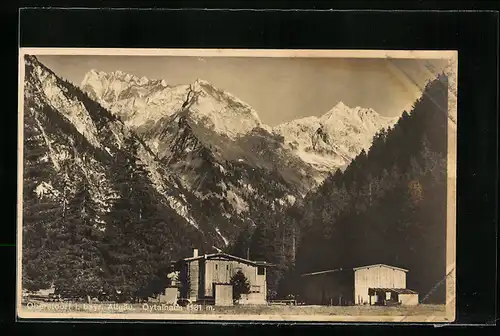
420,313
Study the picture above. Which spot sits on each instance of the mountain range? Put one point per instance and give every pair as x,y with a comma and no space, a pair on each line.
324,143
211,160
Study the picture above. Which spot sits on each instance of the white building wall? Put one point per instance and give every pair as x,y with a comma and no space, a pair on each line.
408,299
376,277
221,271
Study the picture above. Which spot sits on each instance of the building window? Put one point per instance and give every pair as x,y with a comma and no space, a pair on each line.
227,267
255,289
260,270
215,266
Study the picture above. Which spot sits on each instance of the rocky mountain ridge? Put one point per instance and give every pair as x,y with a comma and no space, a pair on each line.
319,145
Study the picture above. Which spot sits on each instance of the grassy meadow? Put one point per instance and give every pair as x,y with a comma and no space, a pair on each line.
60,309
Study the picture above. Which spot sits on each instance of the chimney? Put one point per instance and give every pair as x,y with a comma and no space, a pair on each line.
195,253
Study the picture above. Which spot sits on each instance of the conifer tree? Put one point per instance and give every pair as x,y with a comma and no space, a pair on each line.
41,210
241,247
240,285
142,232
79,261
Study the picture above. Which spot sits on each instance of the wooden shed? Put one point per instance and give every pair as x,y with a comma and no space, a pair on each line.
376,276
330,287
359,285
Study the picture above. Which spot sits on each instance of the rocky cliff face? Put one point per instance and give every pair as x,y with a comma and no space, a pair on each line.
81,140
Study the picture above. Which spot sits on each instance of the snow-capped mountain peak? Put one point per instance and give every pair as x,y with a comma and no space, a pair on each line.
141,101
341,109
340,105
331,141
357,120
136,100
220,111
94,75
201,82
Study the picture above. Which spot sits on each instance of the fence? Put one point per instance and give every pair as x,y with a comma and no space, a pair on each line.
283,302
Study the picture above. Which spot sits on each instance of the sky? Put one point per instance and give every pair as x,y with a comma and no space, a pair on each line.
279,89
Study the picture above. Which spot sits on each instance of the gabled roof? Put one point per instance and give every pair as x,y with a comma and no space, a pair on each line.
396,290
380,265
228,256
344,269
326,272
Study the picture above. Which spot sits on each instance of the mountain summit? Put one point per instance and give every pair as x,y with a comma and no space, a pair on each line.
331,141
219,110
141,102
136,100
